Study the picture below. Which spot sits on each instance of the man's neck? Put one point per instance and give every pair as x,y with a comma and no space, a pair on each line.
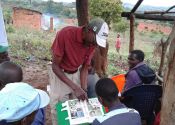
116,102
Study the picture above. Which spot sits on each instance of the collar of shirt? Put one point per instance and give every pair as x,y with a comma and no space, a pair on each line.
117,106
139,64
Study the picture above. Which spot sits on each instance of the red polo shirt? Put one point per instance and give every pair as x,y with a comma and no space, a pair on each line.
68,44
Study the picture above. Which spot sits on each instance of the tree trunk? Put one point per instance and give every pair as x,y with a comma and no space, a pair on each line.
82,12
100,53
164,46
168,102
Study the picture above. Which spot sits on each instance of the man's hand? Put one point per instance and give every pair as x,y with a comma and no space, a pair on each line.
80,93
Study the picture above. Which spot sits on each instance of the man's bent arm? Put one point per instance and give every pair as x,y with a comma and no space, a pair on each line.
79,93
83,76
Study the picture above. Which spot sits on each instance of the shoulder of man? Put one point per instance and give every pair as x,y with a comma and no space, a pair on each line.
96,122
146,74
116,113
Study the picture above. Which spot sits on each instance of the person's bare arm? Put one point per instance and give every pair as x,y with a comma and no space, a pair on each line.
104,53
83,76
78,91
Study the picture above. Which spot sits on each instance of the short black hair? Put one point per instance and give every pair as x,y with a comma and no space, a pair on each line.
139,54
107,89
10,72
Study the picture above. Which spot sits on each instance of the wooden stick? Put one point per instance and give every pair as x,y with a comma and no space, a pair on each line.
150,17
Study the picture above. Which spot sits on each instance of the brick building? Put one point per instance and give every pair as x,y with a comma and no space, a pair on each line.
26,18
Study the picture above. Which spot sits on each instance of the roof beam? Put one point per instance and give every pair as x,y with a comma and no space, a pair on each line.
170,8
158,12
149,17
136,6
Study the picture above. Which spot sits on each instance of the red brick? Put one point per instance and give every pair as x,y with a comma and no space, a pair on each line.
26,18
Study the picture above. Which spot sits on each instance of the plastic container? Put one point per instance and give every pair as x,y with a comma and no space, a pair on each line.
119,81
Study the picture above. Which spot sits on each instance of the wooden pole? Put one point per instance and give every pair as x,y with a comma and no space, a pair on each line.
158,12
51,24
131,44
149,17
82,11
136,6
168,102
164,46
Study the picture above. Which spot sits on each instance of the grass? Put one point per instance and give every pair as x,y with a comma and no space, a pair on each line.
26,44
143,41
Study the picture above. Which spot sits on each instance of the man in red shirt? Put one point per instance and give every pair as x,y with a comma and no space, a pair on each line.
72,51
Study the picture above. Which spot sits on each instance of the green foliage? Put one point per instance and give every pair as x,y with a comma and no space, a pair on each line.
10,29
136,23
69,12
119,65
109,10
7,16
55,8
30,44
27,44
116,65
121,26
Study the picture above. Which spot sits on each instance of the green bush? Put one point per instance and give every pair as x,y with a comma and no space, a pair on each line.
10,29
26,43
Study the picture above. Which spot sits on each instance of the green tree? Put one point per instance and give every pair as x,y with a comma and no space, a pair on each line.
109,10
121,26
66,12
53,7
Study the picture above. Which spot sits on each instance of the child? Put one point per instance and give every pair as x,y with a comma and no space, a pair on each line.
21,103
107,93
118,44
14,92
10,73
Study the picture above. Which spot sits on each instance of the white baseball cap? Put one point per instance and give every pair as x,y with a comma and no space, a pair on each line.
18,100
100,27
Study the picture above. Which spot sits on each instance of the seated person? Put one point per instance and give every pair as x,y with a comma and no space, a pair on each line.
11,73
92,79
19,104
139,73
107,93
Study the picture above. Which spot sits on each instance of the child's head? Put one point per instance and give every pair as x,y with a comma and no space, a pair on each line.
10,73
20,102
106,91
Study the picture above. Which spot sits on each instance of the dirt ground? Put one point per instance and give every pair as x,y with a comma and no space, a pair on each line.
36,74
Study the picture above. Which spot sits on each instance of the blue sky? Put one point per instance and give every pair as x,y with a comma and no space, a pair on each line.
168,3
